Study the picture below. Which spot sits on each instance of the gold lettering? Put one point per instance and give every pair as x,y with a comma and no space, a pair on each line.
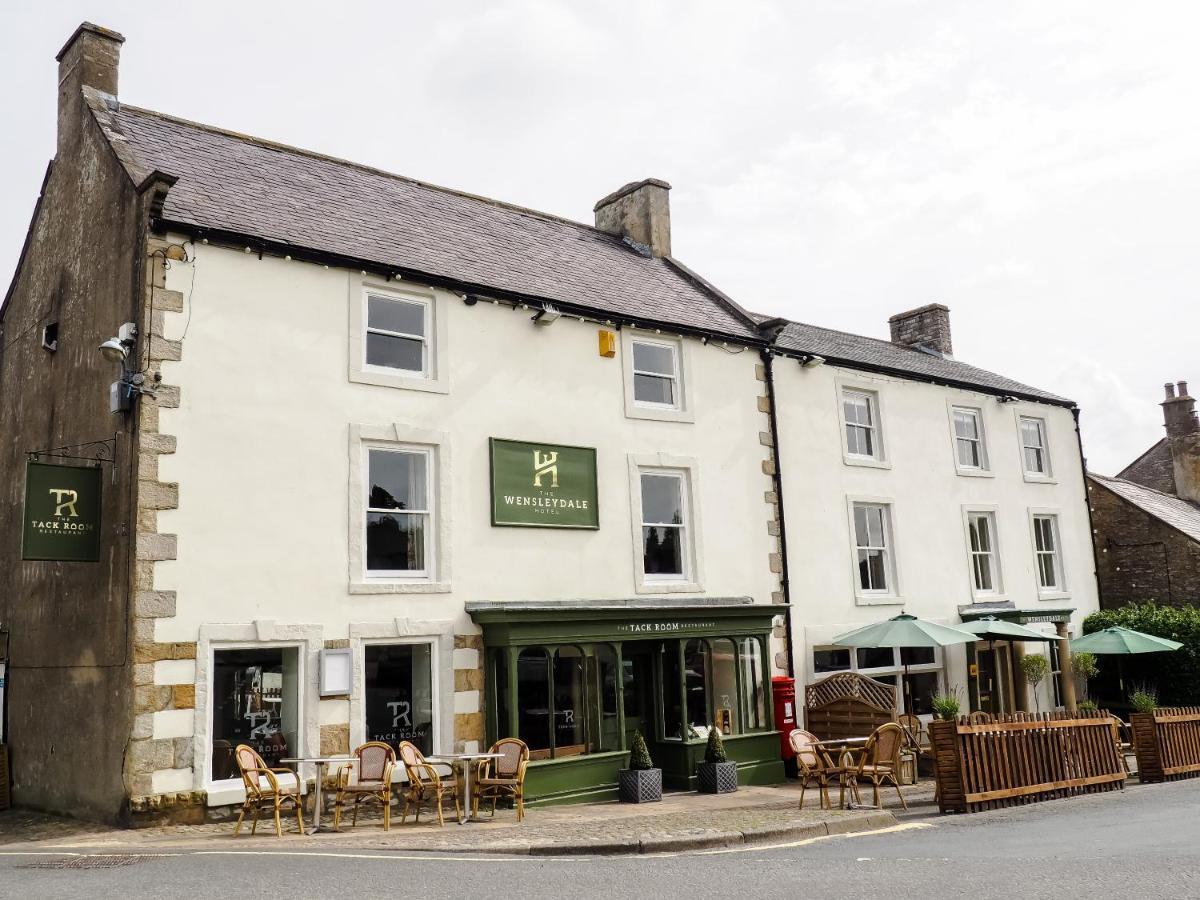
61,504
544,465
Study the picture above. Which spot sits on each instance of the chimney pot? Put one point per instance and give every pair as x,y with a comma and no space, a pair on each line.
926,328
1183,391
1183,437
1169,389
640,212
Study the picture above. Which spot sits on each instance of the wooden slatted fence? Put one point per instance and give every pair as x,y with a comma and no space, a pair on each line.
847,704
1167,743
1023,758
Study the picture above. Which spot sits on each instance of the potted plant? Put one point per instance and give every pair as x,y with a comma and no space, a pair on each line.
1083,667
1087,707
1035,668
716,775
1144,700
641,782
945,706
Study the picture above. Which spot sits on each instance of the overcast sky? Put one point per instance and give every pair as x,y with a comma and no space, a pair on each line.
1035,166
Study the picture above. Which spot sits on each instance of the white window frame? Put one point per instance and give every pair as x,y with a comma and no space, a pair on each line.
434,376
687,468
681,410
1063,590
434,685
997,567
1046,477
864,597
879,458
984,468
896,669
429,551
436,577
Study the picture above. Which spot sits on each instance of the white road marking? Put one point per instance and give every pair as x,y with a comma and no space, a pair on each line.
891,829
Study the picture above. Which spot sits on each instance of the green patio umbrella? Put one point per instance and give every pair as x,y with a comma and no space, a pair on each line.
904,631
1120,640
989,628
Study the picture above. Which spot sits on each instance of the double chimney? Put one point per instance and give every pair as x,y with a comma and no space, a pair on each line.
1183,436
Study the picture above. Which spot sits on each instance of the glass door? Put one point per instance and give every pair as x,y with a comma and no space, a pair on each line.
637,679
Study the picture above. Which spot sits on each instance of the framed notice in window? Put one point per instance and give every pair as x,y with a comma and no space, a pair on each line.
62,513
543,485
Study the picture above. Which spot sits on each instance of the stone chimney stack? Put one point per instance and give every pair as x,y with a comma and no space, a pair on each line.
924,328
641,212
1183,432
88,59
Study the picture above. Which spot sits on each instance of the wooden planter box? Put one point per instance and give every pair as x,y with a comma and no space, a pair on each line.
1167,743
716,778
639,785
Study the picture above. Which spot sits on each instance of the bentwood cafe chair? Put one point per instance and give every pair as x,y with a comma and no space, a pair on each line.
267,788
425,784
503,777
376,762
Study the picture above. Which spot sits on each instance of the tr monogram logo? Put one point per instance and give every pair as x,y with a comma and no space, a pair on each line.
545,465
68,504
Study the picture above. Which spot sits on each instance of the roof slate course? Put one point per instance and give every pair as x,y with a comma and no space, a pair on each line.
1174,511
1154,468
838,346
229,182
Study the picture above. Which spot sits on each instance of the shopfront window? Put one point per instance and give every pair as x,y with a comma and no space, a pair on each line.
915,672
255,702
570,703
533,701
610,732
399,694
695,675
724,686
753,687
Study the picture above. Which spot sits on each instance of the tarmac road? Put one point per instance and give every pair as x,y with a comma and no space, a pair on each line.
1143,843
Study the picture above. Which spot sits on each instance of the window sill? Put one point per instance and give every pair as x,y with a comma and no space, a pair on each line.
1039,479
974,473
405,382
665,414
399,587
669,587
1054,595
865,461
985,599
878,600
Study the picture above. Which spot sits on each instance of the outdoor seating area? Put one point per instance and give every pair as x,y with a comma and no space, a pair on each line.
369,776
875,759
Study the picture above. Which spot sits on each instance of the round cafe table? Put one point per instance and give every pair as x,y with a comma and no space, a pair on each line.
468,761
322,763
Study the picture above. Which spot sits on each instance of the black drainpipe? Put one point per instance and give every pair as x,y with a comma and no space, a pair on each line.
1087,502
777,479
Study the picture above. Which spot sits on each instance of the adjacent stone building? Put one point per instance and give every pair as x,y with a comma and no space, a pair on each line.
1147,518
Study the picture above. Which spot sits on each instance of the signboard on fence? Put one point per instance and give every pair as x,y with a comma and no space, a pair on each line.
543,485
62,513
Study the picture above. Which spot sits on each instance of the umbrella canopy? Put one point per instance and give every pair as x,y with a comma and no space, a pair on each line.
1122,640
904,631
989,628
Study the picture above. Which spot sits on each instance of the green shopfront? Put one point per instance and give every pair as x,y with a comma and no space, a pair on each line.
575,680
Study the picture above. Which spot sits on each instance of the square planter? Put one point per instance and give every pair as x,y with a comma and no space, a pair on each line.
639,785
716,778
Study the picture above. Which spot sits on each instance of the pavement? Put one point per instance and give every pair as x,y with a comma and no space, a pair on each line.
681,822
1141,842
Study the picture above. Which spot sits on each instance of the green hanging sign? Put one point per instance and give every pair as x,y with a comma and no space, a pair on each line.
543,485
62,513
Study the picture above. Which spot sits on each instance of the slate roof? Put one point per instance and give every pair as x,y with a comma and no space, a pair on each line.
857,351
1154,468
1178,513
246,186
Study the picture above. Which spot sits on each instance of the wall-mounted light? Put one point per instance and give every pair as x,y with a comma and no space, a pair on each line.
547,315
1007,398
117,350
811,361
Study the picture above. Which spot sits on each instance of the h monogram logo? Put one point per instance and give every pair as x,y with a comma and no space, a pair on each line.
68,504
544,465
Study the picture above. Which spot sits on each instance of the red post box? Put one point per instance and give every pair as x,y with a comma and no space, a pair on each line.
783,690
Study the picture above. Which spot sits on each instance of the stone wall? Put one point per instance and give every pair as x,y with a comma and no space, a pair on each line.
1139,557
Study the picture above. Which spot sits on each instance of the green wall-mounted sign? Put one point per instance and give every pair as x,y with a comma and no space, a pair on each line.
62,513
543,485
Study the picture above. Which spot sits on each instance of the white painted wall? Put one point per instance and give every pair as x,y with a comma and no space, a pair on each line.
262,461
927,496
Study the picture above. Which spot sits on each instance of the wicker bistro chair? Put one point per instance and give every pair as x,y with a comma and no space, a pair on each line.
376,762
917,739
504,777
265,789
425,784
814,765
880,760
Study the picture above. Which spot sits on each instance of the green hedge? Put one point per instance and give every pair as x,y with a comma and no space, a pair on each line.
1176,674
